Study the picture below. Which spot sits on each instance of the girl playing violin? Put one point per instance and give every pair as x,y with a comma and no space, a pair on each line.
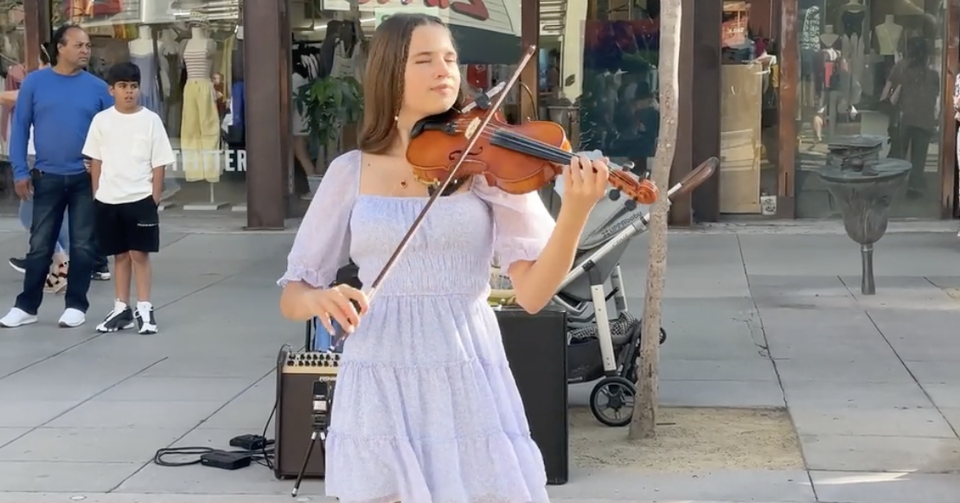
427,410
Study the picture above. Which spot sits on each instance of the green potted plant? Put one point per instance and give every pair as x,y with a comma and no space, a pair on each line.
327,104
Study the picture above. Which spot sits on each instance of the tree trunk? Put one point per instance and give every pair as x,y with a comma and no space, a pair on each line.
644,421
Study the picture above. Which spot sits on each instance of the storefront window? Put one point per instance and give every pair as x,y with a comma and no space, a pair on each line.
191,66
749,143
619,110
871,67
12,72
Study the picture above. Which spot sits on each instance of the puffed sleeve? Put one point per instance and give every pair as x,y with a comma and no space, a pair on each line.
522,224
322,245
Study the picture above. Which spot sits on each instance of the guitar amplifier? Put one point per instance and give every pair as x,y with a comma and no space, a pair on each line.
298,411
536,347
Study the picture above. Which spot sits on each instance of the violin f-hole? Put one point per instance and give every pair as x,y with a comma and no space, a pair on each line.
456,154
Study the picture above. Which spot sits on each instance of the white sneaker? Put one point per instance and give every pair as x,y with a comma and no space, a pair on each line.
72,318
17,318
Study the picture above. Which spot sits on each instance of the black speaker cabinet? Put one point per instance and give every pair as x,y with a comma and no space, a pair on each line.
296,375
536,347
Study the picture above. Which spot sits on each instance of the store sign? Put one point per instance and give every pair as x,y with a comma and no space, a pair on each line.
228,160
496,15
381,14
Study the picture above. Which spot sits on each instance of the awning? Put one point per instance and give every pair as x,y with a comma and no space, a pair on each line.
485,31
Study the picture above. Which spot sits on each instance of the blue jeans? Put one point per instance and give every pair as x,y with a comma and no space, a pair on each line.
53,195
26,219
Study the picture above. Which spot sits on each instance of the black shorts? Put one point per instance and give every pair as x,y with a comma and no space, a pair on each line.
128,227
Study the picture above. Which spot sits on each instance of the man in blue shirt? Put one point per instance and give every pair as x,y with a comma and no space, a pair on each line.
59,102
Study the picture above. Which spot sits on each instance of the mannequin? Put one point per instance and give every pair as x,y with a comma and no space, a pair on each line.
851,19
170,84
888,36
200,121
828,38
142,55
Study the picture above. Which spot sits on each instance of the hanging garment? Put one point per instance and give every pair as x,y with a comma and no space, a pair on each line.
149,86
200,132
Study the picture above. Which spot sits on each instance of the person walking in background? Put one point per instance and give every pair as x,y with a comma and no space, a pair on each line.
128,149
913,89
59,103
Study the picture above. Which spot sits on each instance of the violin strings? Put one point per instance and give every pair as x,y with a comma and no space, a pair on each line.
530,146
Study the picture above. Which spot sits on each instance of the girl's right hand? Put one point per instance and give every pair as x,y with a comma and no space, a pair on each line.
337,303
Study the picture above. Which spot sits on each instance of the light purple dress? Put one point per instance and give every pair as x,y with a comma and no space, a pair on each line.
426,408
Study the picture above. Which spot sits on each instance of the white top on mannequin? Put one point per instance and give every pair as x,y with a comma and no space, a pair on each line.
828,37
142,45
888,36
198,54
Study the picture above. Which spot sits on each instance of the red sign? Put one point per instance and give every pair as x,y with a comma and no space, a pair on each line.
474,9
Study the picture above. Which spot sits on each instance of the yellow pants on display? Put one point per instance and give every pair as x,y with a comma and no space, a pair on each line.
200,132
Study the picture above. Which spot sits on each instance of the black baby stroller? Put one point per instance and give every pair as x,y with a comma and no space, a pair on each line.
601,346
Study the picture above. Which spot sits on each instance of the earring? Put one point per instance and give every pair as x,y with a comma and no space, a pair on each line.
396,118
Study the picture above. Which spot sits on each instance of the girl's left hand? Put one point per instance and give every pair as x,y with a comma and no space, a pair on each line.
584,183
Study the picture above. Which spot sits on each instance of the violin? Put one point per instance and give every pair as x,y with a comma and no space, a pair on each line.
516,159
477,140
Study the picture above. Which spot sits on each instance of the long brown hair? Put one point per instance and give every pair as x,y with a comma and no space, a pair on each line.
384,77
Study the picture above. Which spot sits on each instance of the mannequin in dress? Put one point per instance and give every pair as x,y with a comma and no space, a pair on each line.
142,55
828,38
170,84
200,123
888,36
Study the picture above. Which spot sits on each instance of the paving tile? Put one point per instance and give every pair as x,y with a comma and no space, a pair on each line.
935,372
36,476
8,435
255,479
664,486
109,445
23,413
136,414
945,395
838,370
861,487
814,395
881,453
756,368
178,389
893,422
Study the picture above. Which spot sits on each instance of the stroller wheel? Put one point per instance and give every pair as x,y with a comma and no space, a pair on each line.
663,335
612,401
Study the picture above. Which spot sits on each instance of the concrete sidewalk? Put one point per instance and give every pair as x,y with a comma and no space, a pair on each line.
755,319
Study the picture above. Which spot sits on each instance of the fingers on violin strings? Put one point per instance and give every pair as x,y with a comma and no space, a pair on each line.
579,169
601,173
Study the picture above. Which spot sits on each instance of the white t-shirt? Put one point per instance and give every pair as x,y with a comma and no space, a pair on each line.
129,147
31,150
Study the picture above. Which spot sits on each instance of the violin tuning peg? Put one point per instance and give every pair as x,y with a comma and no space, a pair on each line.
628,166
630,204
614,195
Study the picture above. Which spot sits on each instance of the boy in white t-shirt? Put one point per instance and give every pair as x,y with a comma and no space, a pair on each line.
129,149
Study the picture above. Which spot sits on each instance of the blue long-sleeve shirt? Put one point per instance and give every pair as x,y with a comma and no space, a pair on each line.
60,109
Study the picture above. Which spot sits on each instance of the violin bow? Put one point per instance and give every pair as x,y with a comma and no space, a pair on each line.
473,132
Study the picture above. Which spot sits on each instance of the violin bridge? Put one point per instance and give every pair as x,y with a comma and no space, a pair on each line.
472,127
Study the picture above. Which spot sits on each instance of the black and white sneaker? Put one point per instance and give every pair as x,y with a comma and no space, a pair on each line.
121,318
101,272
18,264
146,321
